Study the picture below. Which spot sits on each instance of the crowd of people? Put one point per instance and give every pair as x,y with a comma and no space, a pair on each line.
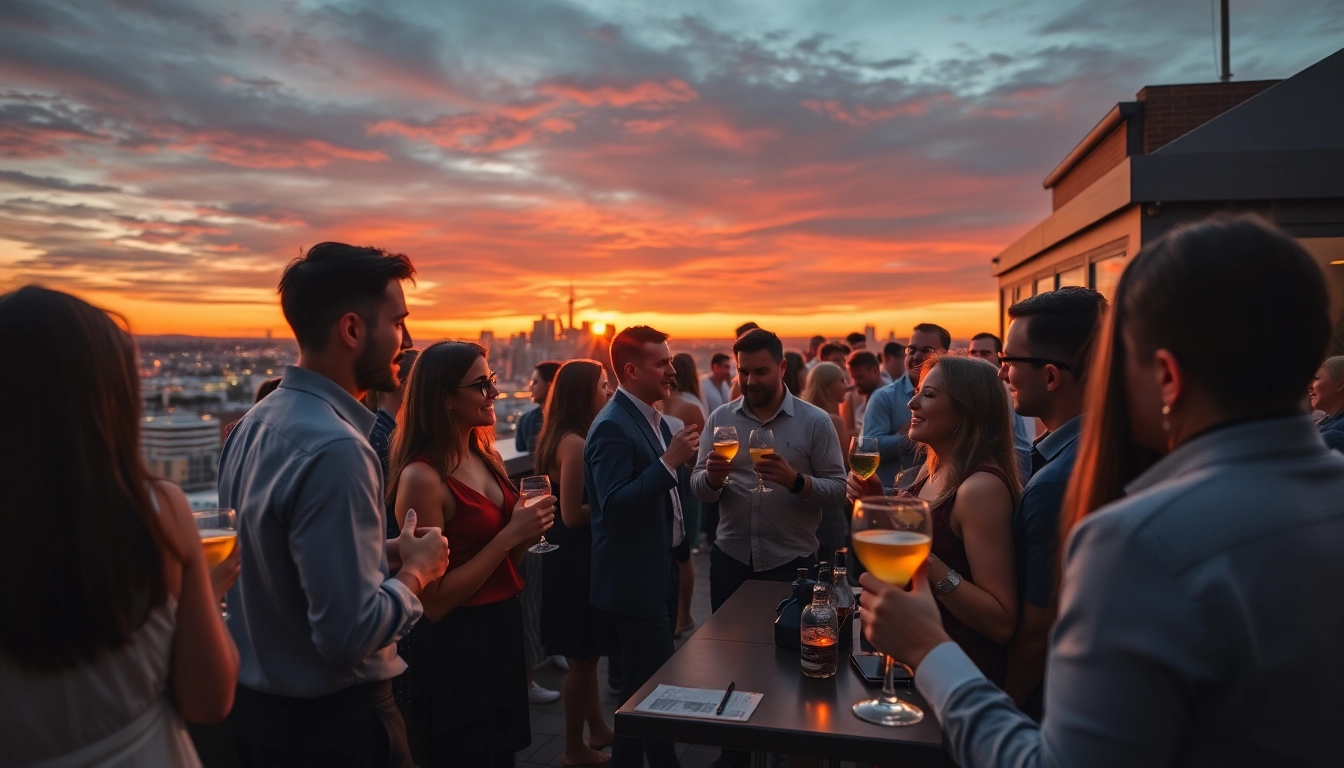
1126,537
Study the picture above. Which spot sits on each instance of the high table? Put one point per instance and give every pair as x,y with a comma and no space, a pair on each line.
798,715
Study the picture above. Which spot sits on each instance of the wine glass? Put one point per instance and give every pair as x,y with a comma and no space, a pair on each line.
863,456
892,536
218,529
726,444
534,489
761,442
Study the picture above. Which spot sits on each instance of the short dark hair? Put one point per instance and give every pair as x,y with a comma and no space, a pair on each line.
862,359
265,388
1062,324
628,346
893,349
830,348
743,328
547,369
758,339
856,338
719,359
943,335
816,341
332,279
998,344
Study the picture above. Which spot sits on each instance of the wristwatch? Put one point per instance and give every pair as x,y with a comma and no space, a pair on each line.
798,484
948,583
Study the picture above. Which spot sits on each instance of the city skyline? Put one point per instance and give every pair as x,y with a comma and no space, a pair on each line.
690,166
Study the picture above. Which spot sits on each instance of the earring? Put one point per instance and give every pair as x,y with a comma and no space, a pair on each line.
1166,423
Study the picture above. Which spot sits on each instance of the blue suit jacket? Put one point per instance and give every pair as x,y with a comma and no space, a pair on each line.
628,493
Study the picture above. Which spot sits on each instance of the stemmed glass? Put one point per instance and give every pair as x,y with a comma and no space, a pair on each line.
218,529
534,489
892,535
761,442
726,444
864,456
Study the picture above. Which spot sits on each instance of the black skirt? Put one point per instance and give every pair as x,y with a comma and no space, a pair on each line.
570,626
469,688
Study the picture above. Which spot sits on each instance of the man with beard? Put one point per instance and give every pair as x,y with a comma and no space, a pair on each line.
759,536
631,470
316,612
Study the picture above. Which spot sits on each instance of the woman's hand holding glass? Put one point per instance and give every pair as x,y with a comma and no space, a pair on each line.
533,515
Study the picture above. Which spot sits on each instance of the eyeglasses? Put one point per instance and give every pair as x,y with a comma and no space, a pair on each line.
926,351
1005,360
483,384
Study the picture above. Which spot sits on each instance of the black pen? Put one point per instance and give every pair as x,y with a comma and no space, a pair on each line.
726,695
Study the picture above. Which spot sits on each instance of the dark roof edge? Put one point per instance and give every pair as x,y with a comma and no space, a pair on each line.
1118,114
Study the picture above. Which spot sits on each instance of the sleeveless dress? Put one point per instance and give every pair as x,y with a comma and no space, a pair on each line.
111,712
989,656
468,685
570,626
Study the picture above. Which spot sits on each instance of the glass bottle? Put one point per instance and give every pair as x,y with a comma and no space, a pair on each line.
820,652
842,595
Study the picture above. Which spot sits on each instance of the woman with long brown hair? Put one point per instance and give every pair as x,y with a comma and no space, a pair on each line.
111,632
469,689
1204,522
570,627
961,414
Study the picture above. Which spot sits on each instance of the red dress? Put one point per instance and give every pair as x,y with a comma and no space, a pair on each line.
989,656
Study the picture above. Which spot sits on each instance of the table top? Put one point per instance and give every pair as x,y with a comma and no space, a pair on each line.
797,715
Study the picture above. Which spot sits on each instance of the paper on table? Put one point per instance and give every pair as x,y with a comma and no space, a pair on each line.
700,703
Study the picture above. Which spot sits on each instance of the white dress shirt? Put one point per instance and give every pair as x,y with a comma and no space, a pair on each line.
714,394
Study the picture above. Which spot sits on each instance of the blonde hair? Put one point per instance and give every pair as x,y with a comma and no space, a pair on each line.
985,433
819,379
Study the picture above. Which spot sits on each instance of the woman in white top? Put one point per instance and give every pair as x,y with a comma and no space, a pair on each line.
686,406
111,631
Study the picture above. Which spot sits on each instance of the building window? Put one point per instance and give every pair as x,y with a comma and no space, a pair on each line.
1076,276
1045,284
1106,275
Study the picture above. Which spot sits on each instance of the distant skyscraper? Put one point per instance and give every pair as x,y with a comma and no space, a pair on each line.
182,448
487,339
870,333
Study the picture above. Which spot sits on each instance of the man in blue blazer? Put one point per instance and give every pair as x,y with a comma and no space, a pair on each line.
632,463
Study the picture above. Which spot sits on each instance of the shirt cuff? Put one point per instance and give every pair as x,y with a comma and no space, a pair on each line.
412,609
670,470
945,669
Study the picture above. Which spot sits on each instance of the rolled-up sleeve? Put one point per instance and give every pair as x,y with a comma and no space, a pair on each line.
336,542
828,466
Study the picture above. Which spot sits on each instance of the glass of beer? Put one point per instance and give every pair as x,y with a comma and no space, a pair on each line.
218,529
534,489
761,442
892,536
863,456
726,445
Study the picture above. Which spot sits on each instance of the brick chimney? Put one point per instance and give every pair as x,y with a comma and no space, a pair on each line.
1171,111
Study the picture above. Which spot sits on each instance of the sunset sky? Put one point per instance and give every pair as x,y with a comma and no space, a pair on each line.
812,166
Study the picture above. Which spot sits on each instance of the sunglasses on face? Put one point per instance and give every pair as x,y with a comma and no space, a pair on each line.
1006,360
483,384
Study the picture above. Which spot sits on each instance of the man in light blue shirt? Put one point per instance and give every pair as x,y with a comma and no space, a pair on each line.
888,415
316,612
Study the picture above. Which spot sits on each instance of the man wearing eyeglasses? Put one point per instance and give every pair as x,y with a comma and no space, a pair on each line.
987,347
888,415
1043,364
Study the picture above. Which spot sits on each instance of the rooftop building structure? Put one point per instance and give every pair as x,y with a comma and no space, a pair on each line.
183,449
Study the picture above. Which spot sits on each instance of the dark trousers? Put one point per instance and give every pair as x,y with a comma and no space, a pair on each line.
727,573
709,520
646,644
358,726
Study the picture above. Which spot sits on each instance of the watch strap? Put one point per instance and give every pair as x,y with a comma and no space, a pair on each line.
948,583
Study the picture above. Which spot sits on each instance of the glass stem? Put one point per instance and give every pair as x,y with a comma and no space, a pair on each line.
889,682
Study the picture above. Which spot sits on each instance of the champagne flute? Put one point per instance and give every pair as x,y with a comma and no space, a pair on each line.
534,489
218,529
892,535
761,442
726,444
864,456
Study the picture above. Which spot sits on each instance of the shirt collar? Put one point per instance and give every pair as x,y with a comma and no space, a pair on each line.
1056,441
1282,437
345,405
785,407
650,413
